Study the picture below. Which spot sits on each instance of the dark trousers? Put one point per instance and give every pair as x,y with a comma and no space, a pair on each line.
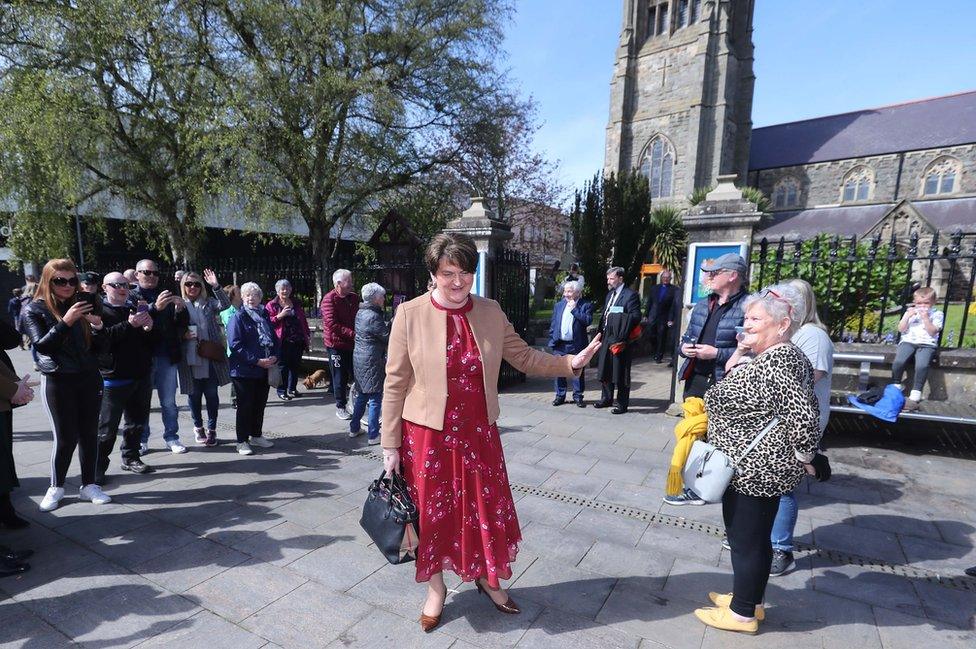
748,524
662,335
923,358
252,397
289,360
623,394
579,384
133,401
696,385
340,361
73,402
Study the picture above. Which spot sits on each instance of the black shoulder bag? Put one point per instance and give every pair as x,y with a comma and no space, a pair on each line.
390,519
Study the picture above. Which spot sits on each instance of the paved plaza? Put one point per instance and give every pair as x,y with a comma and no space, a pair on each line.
216,550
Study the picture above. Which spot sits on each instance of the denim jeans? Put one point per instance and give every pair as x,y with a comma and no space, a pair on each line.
783,526
164,376
204,388
579,384
374,400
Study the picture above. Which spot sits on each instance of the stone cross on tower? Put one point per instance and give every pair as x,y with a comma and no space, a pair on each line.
681,93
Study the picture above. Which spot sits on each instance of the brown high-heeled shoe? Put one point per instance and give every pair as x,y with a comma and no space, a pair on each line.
509,607
429,622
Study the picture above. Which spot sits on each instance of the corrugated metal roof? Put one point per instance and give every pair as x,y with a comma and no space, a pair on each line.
923,124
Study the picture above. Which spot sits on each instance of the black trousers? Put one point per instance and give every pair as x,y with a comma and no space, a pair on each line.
73,402
252,397
133,401
289,360
662,336
623,394
696,385
340,361
748,524
8,470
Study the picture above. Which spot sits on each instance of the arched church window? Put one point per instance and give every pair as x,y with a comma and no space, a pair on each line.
688,13
941,176
786,192
857,184
658,166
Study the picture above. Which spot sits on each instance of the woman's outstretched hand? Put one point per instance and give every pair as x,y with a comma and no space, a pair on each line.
582,359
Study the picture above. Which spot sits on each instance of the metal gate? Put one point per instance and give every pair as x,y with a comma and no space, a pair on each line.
510,285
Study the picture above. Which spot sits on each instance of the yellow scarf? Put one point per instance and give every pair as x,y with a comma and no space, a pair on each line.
692,427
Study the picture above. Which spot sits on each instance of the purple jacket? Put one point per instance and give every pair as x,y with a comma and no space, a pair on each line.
274,308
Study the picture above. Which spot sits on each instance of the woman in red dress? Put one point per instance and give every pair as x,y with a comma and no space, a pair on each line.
440,404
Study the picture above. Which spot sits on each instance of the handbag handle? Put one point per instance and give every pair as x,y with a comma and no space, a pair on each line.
758,438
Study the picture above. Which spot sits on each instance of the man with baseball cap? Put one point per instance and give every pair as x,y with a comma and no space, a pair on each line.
710,338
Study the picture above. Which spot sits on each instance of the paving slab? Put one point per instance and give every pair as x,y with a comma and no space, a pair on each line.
555,630
234,595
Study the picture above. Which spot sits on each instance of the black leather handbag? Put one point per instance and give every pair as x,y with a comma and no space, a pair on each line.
390,519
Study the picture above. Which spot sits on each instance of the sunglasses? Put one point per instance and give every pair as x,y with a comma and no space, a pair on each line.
118,285
64,281
150,273
715,273
193,284
777,296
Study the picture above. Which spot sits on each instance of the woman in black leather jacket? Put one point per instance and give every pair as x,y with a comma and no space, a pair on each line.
64,332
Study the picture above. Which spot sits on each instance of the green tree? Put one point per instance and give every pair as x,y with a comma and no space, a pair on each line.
126,89
341,102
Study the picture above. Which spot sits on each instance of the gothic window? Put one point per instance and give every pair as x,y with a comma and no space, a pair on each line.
658,166
857,184
786,193
941,177
662,18
682,17
695,11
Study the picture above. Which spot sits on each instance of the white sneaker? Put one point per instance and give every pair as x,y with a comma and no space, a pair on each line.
261,442
373,441
176,447
143,449
244,449
52,498
95,494
342,413
355,433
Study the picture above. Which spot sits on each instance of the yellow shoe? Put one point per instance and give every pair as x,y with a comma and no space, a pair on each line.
724,601
721,618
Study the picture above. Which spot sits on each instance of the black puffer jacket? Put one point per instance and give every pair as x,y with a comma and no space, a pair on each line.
59,348
369,352
127,351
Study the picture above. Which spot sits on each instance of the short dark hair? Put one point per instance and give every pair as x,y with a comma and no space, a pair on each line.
458,249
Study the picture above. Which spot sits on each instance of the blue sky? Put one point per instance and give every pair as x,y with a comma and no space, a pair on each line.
813,57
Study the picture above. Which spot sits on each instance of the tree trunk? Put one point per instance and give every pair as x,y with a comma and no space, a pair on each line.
318,236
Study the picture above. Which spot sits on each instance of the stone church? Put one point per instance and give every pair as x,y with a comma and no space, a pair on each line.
680,111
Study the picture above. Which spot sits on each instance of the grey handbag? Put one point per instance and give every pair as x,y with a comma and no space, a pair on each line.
709,471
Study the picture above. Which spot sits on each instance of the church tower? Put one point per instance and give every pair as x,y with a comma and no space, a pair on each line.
681,93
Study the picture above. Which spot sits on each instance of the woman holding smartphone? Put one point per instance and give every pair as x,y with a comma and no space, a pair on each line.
65,335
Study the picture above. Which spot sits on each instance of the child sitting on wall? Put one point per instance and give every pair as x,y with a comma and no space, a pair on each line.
919,329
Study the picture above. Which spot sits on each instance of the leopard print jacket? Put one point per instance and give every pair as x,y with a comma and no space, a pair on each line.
778,383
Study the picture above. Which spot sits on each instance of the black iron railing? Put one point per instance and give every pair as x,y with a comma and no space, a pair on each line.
510,282
863,287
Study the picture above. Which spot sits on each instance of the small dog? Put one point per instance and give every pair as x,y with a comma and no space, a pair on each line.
315,379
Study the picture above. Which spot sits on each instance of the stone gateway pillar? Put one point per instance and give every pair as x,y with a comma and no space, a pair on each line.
490,234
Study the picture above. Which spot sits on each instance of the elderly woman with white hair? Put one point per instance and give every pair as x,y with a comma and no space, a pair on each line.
776,384
291,327
369,361
253,353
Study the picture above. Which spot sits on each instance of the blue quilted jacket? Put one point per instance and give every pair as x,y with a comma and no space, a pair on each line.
732,317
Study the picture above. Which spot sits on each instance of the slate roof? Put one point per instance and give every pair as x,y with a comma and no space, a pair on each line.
946,215
923,124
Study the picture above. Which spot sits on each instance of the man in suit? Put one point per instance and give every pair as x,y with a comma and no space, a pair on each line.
621,313
662,307
567,335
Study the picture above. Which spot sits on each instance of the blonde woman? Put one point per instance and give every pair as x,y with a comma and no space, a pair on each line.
203,366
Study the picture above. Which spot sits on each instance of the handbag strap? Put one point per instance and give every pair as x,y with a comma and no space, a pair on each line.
758,438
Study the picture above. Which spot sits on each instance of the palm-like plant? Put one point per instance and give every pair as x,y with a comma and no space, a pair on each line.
751,194
669,238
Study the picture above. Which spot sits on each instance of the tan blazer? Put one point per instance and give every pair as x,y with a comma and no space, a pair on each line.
416,366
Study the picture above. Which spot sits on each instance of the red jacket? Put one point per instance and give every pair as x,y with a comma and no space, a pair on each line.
339,319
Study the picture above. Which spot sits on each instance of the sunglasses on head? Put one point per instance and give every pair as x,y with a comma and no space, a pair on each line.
151,273
777,296
193,284
64,281
124,285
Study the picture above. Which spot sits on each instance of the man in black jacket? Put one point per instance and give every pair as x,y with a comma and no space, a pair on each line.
621,313
662,314
170,320
126,367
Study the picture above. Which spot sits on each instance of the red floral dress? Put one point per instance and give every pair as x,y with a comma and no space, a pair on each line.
457,475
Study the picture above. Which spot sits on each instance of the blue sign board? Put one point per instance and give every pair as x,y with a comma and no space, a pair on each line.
696,287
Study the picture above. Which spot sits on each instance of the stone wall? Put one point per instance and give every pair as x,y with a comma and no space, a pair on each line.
821,183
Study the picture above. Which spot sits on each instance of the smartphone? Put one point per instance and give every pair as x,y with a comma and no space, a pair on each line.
142,307
92,299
